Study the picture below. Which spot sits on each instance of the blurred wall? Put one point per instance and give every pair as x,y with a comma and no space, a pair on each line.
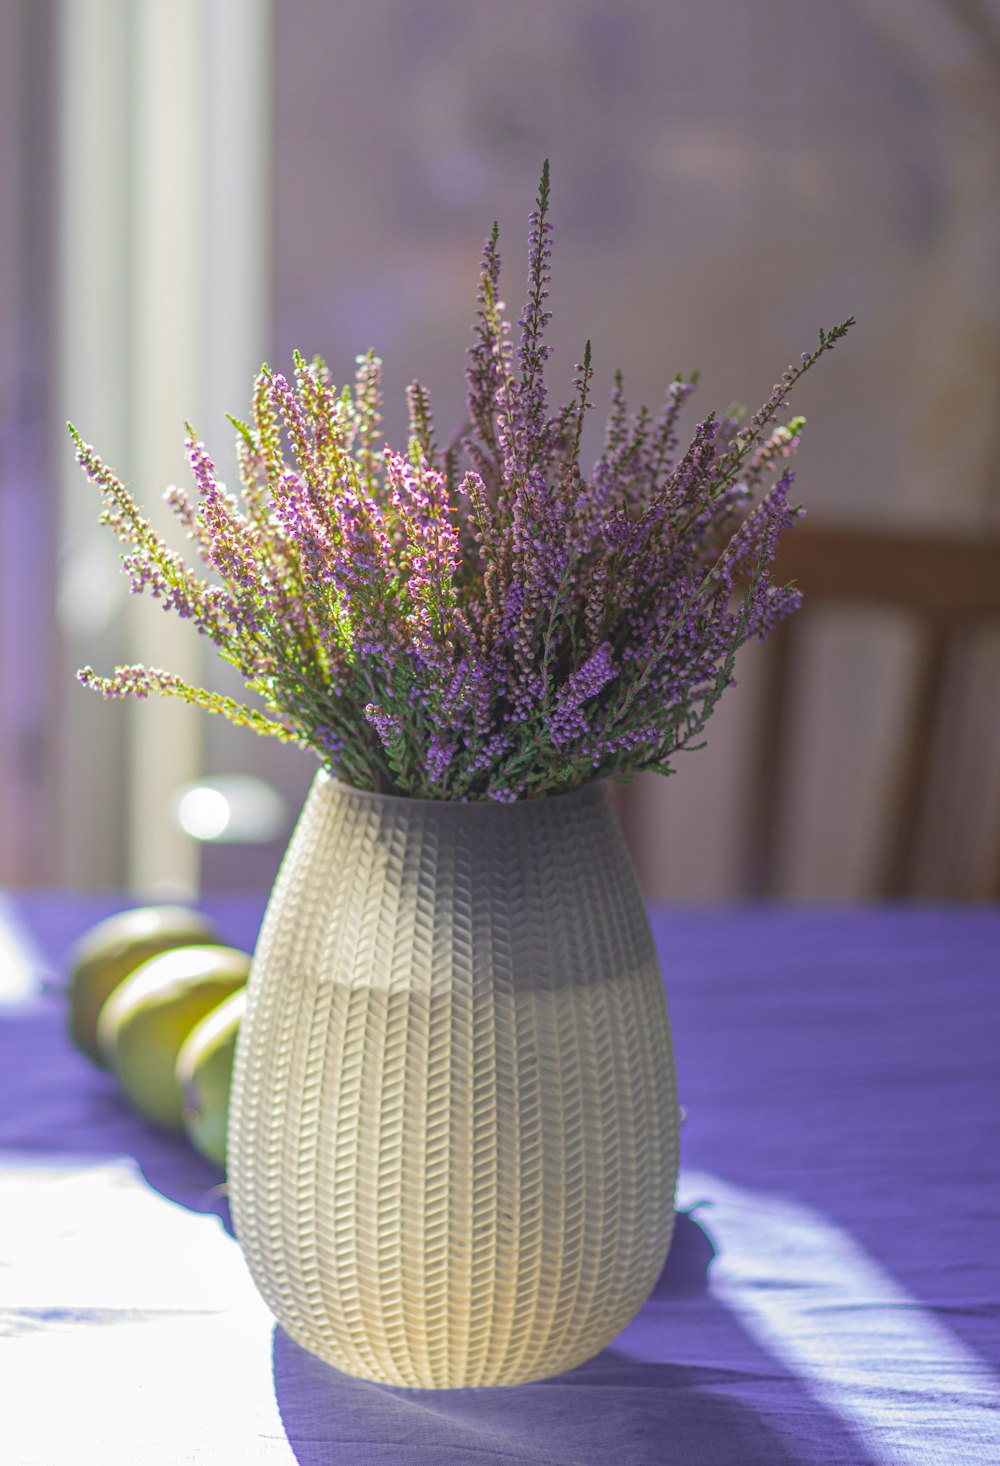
727,178
29,693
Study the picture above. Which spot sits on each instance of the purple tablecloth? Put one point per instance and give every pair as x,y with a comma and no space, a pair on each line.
832,1296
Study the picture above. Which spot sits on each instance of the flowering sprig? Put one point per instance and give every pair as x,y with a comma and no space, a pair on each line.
487,621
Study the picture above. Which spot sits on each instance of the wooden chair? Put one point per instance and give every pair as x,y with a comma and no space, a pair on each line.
950,588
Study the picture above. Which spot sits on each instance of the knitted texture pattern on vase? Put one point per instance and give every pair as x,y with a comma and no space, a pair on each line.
453,1127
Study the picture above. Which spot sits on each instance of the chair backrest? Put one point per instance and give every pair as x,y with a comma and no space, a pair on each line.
951,589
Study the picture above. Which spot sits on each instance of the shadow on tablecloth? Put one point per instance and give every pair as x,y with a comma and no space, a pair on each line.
619,1409
54,1101
63,1104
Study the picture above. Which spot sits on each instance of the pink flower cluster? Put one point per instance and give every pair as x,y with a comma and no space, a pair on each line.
484,621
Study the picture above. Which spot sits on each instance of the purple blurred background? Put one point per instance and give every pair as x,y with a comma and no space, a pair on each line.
190,189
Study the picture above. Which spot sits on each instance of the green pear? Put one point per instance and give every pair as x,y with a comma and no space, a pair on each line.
110,951
204,1075
145,1021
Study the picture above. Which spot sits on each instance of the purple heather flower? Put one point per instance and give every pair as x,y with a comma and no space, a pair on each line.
567,720
508,625
440,752
387,725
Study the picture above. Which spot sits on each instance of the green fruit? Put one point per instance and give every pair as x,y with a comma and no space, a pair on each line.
204,1075
113,949
145,1021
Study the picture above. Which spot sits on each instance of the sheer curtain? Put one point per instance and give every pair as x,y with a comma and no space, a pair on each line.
28,682
164,256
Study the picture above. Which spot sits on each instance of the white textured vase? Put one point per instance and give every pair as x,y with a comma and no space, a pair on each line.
453,1126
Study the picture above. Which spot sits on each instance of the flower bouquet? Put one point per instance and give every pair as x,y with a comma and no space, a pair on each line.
482,621
453,1125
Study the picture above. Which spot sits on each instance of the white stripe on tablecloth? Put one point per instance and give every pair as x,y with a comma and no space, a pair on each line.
130,1332
816,1300
20,961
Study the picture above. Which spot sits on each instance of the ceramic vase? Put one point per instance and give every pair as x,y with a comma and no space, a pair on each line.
453,1125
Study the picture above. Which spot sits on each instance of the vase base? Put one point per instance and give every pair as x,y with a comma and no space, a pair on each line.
489,1375
397,1380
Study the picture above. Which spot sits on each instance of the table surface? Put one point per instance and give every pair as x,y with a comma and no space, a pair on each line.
832,1295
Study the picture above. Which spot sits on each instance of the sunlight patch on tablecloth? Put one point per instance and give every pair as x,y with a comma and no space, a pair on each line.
818,1302
133,1331
20,963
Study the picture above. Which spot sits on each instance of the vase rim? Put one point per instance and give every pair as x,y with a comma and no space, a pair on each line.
323,776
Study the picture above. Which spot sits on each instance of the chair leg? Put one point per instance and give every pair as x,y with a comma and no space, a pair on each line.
909,795
768,765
